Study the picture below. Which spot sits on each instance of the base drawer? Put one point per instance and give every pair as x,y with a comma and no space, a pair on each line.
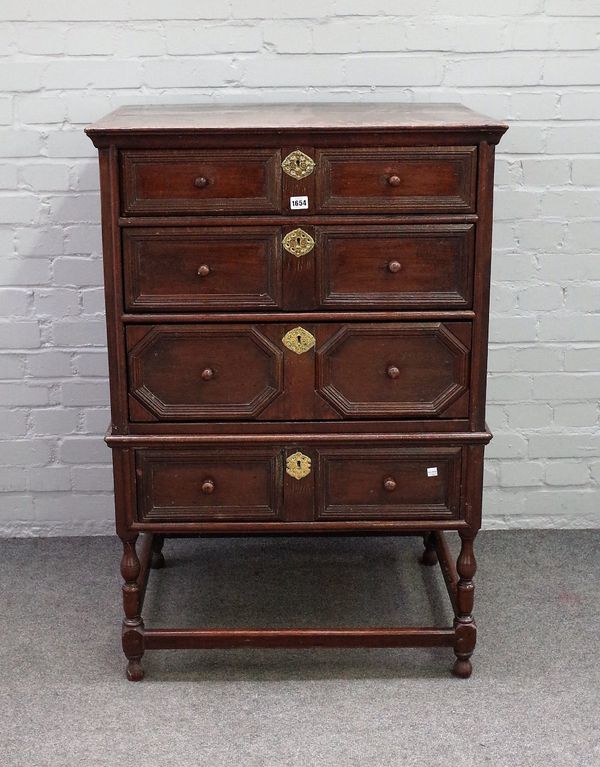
388,483
295,483
204,484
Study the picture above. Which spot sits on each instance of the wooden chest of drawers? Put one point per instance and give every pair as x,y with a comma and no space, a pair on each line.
297,310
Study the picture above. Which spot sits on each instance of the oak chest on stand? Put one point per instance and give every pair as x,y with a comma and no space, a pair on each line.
297,310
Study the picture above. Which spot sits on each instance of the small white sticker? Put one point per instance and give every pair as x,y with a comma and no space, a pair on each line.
432,471
299,203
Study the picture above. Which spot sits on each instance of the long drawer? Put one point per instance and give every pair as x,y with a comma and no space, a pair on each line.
258,484
312,371
298,268
338,180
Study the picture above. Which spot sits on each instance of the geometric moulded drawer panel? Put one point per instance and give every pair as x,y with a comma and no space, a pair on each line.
324,370
396,370
196,372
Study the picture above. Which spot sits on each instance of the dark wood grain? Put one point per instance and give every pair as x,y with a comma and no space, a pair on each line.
388,483
208,404
133,626
158,559
482,283
464,624
396,179
343,117
166,181
192,372
429,556
113,281
354,369
307,219
405,636
447,564
199,269
246,484
298,317
309,432
395,266
145,556
209,484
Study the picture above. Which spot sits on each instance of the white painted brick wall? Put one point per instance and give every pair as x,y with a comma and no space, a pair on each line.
533,63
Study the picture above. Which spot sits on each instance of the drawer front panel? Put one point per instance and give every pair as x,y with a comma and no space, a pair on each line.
396,370
198,372
395,266
335,483
213,484
388,483
428,179
202,269
168,182
319,371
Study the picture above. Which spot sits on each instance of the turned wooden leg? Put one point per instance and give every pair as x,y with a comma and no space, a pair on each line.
133,625
430,556
158,559
464,624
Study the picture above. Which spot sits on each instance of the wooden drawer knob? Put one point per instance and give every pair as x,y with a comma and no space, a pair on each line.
389,484
394,180
208,486
207,374
393,371
394,266
201,182
204,270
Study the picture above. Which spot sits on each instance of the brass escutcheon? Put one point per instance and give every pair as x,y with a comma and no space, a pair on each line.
298,242
298,465
298,165
298,340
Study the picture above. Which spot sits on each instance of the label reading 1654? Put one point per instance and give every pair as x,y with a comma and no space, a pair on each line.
299,203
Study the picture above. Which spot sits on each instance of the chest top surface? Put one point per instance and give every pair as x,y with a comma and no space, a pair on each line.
185,118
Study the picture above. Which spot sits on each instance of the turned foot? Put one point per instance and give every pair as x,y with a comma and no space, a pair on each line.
429,556
132,637
462,668
158,559
464,624
135,672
